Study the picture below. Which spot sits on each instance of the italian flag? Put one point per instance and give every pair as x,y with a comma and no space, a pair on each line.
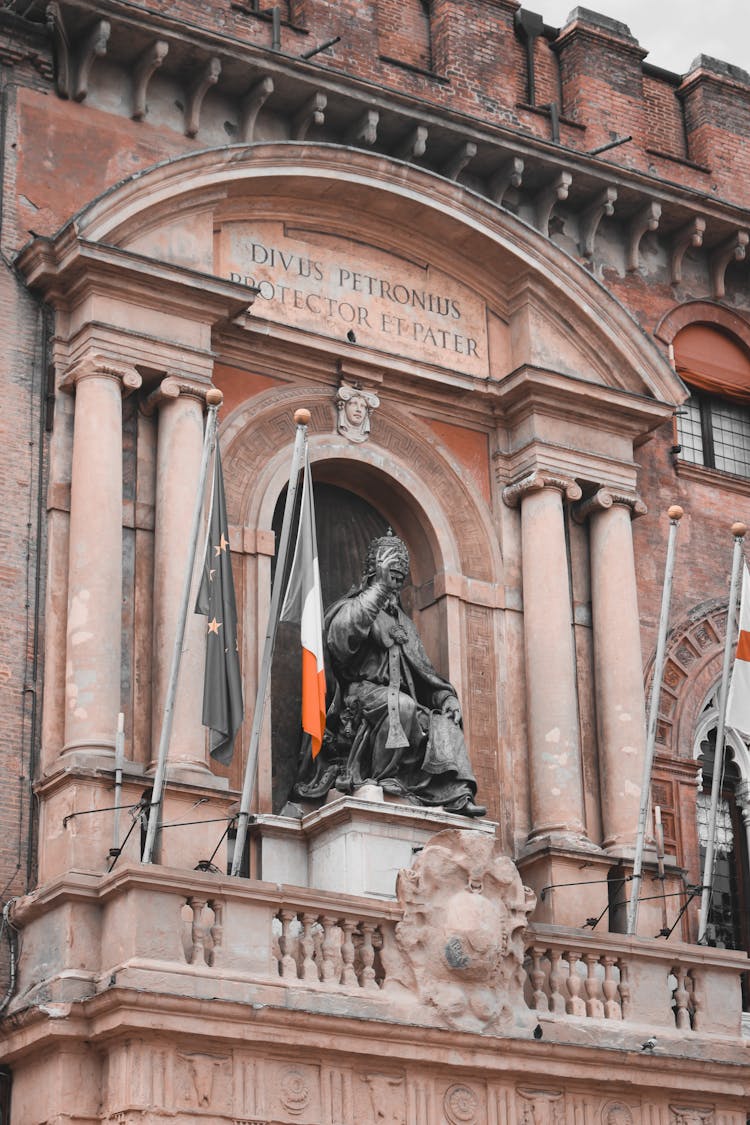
303,602
738,703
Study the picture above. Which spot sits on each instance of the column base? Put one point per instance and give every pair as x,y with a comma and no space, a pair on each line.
570,879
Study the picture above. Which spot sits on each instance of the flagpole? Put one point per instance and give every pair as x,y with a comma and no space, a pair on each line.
738,531
214,399
675,514
301,419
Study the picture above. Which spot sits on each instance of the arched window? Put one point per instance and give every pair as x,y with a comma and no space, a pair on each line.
729,914
713,426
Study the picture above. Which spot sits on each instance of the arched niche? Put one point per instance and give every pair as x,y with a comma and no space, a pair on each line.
456,563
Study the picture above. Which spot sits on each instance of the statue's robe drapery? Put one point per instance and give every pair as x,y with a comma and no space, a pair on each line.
385,723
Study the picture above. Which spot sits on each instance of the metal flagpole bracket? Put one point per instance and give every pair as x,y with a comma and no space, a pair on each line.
301,420
675,514
214,399
739,530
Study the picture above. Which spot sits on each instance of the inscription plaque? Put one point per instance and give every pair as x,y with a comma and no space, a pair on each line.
358,293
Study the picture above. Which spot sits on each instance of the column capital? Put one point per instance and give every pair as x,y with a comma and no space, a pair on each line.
173,386
604,499
93,365
535,482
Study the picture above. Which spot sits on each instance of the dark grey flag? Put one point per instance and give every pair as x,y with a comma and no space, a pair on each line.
222,687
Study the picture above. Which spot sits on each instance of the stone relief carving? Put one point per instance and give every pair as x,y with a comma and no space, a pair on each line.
460,1105
294,1091
541,1107
353,410
692,1115
459,946
386,1098
616,1113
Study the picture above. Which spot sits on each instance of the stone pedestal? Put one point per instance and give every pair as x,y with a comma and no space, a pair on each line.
353,845
570,887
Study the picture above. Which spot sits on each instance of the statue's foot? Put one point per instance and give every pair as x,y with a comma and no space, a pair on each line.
470,809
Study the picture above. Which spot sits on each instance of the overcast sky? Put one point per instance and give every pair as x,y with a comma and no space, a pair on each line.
674,32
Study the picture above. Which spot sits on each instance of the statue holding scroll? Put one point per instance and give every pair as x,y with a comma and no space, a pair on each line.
393,719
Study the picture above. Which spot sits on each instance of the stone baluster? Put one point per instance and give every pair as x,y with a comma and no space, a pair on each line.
178,457
575,1006
694,985
551,682
330,949
681,998
94,624
197,931
288,961
217,930
594,1005
556,998
612,1009
367,953
624,988
536,976
348,975
618,662
307,942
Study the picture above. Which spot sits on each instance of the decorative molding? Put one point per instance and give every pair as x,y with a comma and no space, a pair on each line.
148,63
691,234
206,78
251,105
171,388
455,165
734,249
535,482
508,175
311,113
73,64
364,131
604,499
413,145
547,197
644,220
602,204
93,365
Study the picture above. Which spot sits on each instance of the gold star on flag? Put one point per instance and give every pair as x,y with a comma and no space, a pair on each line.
211,574
214,626
222,545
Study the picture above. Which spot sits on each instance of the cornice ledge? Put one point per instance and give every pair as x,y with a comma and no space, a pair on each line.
540,388
60,267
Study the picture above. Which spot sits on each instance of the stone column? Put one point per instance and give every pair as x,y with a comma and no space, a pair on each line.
557,806
178,457
94,621
618,663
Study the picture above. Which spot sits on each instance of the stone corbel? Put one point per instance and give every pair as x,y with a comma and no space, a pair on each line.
605,498
510,174
207,77
364,131
311,113
100,366
535,482
73,67
547,197
413,145
453,167
252,103
602,204
644,220
94,46
733,249
691,234
170,388
147,64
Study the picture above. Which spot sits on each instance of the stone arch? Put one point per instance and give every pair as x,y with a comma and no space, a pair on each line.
453,531
703,312
483,239
692,667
